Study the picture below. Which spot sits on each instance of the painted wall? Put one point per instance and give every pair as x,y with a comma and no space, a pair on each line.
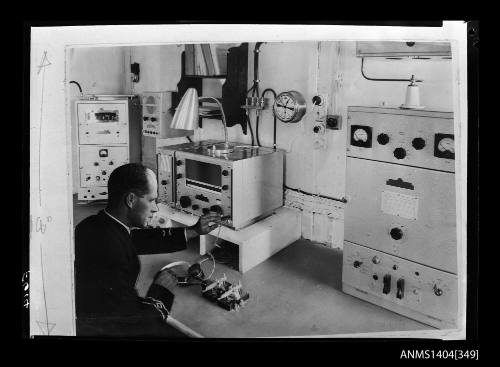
330,68
98,70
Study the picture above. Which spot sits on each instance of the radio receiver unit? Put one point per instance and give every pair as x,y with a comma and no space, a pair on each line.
243,186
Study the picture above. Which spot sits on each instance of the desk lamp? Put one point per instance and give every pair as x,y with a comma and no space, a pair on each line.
187,114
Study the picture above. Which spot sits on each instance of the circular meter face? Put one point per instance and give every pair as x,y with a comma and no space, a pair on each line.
289,106
446,145
360,135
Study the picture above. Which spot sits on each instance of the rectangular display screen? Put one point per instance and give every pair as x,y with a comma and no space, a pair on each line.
203,172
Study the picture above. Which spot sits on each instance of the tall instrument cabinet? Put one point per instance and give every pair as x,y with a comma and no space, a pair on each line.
400,248
109,135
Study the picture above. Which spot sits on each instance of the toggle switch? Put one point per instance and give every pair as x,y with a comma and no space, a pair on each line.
387,284
400,288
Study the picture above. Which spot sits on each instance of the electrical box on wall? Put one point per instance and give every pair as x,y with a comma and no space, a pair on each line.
157,114
109,135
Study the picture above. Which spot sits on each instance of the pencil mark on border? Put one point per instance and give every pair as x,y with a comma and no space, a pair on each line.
49,326
43,64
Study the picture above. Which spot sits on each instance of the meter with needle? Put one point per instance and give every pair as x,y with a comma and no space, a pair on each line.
444,146
289,106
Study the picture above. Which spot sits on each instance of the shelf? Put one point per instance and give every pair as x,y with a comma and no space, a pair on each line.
234,88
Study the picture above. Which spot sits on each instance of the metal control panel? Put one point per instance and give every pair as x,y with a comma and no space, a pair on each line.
417,291
157,114
414,138
102,123
166,176
108,137
403,211
400,191
199,195
97,163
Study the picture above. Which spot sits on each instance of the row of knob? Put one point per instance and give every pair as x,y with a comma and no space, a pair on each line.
400,153
417,143
400,282
185,201
97,163
145,118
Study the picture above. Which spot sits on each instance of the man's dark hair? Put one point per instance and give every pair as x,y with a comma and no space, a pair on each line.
130,177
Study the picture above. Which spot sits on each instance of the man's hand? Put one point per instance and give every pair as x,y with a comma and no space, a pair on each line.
206,223
166,279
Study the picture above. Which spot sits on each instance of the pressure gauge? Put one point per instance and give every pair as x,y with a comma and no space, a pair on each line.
289,106
444,146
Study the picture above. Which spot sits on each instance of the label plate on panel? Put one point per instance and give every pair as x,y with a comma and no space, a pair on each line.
401,205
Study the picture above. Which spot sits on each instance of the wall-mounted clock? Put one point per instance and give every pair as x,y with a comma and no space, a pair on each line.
289,106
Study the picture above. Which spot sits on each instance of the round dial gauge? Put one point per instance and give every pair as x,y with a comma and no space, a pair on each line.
360,135
446,145
289,106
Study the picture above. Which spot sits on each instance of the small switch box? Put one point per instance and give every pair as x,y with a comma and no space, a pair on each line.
333,122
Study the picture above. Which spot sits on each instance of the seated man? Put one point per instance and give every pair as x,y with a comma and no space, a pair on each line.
107,264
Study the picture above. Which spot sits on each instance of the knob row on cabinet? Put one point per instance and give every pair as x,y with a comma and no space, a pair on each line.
417,143
97,163
185,201
145,118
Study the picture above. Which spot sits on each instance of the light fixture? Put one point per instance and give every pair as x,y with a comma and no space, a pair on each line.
187,114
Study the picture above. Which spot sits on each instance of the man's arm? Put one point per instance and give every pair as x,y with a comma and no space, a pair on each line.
165,240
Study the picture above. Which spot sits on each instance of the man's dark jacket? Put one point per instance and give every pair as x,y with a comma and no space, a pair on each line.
106,270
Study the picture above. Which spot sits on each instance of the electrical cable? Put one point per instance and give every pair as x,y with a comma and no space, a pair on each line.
274,122
343,200
383,80
250,127
188,138
77,84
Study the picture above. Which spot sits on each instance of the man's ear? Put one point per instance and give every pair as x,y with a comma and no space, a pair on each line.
130,200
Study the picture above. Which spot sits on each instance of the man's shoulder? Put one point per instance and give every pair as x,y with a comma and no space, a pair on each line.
91,222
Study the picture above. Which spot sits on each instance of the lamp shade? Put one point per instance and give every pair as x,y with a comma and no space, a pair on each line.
186,114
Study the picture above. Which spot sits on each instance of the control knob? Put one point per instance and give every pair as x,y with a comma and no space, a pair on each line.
145,118
178,163
396,233
383,139
179,175
164,182
225,187
399,153
225,173
418,143
216,208
153,119
185,201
